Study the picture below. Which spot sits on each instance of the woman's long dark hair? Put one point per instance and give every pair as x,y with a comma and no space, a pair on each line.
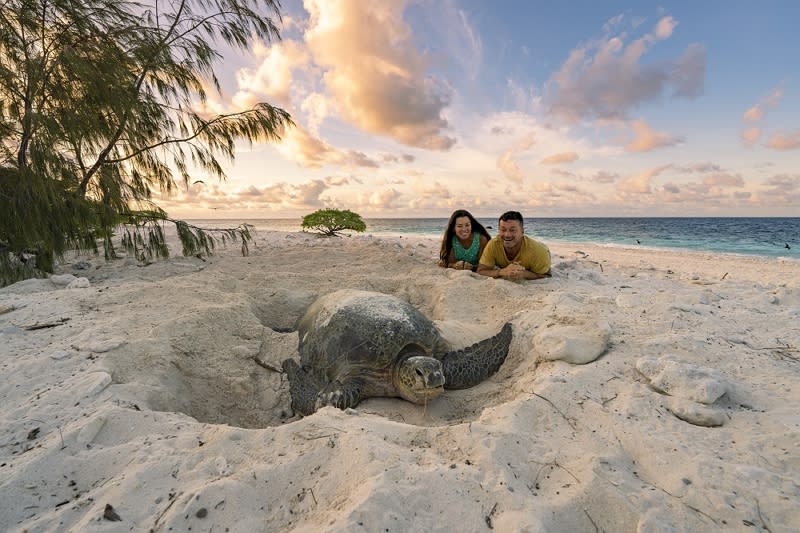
447,239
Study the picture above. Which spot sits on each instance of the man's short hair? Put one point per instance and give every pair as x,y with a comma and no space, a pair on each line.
512,215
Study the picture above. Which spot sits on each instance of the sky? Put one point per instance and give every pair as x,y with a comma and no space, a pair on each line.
415,108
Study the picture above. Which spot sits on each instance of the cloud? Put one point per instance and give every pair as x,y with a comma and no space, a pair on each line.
671,188
525,143
500,130
275,196
613,22
281,194
308,193
556,194
403,158
510,167
607,78
524,98
783,183
317,108
361,159
712,192
336,180
788,141
506,161
756,113
604,177
272,79
307,150
557,159
380,200
750,136
687,74
722,179
430,190
699,168
377,79
665,27
463,42
781,189
312,152
640,183
647,139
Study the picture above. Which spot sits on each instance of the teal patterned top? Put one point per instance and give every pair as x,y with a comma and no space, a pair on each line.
470,255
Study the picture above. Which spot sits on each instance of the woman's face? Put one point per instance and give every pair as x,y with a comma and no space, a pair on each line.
463,228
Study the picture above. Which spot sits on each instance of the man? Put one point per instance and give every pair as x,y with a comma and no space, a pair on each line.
512,254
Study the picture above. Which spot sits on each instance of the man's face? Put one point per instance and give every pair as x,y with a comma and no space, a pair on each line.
511,233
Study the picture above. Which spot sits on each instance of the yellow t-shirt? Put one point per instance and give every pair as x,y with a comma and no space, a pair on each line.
533,255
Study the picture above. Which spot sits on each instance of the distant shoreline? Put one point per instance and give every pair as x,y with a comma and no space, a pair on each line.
775,237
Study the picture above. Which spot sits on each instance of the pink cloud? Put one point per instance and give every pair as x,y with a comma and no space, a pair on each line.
756,113
722,179
647,139
380,200
377,79
510,167
272,79
508,164
607,79
699,168
604,177
750,136
557,159
781,141
640,183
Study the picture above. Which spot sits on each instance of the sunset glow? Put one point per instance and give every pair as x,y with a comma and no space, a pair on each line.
417,108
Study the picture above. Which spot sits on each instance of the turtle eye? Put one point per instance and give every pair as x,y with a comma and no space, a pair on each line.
418,371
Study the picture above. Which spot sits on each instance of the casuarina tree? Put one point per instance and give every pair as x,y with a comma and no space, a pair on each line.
101,107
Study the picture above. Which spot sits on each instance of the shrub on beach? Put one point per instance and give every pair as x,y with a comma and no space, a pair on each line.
330,222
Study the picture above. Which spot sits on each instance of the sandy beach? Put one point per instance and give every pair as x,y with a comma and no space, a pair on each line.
644,390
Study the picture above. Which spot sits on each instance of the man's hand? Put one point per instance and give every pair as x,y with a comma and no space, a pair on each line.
513,271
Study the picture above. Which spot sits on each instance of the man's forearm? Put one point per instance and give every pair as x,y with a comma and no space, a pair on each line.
488,271
494,272
529,274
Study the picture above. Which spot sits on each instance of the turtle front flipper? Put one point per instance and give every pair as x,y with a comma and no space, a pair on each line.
469,366
341,394
303,388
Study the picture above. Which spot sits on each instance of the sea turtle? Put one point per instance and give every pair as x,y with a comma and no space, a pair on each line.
357,344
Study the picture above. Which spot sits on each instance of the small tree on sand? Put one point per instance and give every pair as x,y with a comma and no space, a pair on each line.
330,222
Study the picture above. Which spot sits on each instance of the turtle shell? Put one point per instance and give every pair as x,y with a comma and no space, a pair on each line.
350,332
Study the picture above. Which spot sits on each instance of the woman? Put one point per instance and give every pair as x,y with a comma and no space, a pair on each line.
463,242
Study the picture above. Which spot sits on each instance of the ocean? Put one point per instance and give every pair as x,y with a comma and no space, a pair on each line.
750,236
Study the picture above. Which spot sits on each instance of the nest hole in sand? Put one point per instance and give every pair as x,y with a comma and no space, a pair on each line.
224,368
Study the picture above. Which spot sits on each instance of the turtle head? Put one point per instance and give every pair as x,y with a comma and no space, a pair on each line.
419,378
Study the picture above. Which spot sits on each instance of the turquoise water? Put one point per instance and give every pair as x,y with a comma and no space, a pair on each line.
751,236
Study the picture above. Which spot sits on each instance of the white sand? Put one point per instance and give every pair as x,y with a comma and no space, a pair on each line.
144,395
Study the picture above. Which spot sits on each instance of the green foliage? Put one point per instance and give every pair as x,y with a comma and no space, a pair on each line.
99,108
330,222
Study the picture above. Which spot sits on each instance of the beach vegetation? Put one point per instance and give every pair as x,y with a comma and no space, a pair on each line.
104,111
331,222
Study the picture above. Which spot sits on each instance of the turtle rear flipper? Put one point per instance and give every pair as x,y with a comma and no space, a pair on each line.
303,388
469,366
